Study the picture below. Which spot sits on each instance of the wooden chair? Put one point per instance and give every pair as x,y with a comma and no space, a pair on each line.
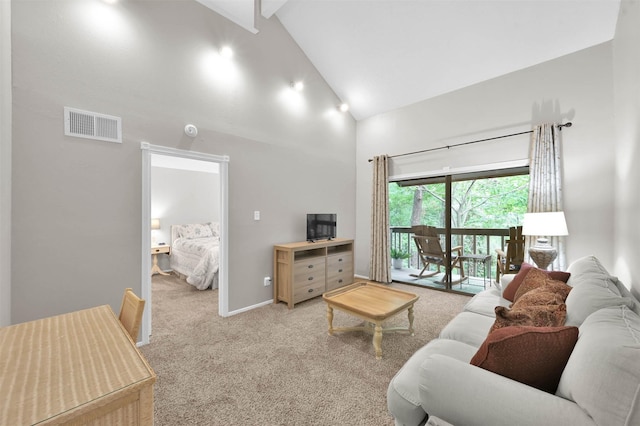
430,252
131,313
509,262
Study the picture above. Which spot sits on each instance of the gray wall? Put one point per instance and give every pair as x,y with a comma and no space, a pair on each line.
627,143
577,87
77,203
5,163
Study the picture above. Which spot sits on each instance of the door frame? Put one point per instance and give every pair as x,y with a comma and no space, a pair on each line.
223,283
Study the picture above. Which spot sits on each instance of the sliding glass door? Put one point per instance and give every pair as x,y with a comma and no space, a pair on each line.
471,214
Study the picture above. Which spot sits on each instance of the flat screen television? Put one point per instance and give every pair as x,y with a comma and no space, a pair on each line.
321,226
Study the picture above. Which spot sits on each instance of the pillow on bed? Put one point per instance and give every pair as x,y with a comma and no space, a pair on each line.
196,230
215,229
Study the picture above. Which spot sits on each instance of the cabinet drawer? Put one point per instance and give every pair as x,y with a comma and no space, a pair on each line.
313,268
336,260
313,289
338,281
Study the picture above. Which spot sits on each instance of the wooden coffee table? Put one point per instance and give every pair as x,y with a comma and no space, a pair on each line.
373,303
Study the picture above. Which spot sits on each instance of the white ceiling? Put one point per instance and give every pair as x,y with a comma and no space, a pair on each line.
379,55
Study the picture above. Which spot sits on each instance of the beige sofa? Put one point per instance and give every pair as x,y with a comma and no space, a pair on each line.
600,384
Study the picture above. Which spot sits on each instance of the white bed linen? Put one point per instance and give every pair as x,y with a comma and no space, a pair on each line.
198,259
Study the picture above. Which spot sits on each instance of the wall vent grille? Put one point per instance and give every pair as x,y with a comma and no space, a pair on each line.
92,125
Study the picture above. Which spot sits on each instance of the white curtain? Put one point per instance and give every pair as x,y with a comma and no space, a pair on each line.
380,262
545,182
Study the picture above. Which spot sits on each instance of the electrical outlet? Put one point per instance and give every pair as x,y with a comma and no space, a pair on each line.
267,281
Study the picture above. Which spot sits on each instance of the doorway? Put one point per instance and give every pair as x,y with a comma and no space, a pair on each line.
148,153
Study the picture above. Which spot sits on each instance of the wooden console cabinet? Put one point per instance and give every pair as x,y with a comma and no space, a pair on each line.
304,270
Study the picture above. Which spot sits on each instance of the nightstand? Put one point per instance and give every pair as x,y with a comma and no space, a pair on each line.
155,251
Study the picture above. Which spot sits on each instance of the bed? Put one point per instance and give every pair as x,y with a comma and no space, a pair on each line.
195,253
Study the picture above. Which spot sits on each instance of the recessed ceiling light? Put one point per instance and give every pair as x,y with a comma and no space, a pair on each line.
344,107
297,86
226,52
110,1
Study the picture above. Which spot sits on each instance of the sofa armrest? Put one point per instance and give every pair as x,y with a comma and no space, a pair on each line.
463,394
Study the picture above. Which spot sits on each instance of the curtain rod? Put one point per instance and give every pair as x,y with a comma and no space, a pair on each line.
560,126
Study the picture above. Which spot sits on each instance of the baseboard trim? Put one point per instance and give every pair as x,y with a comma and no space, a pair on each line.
249,308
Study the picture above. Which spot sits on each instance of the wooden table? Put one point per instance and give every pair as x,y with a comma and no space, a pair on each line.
155,251
373,303
76,368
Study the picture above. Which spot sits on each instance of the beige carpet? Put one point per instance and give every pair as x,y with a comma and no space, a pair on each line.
275,366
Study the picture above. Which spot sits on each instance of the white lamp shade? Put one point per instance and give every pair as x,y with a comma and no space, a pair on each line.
155,223
548,224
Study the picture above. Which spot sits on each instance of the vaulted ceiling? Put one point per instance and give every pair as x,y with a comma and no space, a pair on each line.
379,55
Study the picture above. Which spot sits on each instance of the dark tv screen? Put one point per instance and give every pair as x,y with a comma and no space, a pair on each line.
321,226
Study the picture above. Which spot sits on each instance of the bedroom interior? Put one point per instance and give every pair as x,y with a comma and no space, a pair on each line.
292,153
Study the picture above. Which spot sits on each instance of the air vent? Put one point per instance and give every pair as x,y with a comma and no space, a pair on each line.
92,125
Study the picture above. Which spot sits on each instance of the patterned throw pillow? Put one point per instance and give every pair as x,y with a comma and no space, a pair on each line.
535,356
510,292
535,278
532,316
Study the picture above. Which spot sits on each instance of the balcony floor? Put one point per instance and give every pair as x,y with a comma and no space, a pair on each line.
471,285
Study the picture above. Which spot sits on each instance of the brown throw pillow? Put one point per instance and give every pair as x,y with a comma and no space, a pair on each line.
535,278
510,292
533,316
551,293
535,356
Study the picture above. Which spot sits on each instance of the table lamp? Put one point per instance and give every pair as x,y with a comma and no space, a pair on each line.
155,224
543,225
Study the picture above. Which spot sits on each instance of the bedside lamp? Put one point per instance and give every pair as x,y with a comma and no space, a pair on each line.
542,225
155,224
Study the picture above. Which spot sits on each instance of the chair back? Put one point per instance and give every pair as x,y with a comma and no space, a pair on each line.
427,241
131,313
515,248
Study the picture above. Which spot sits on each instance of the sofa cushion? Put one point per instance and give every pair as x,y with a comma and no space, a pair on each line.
590,295
468,327
403,399
606,362
509,292
485,302
587,265
535,356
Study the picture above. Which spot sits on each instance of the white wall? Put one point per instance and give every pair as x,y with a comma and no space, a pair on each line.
627,144
576,87
180,197
77,203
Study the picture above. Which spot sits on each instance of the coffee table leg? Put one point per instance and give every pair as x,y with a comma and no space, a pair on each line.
410,313
377,341
330,318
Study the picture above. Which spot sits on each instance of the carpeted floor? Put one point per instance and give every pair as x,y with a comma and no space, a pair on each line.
275,366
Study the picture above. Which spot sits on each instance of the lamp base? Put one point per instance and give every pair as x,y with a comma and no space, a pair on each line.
543,253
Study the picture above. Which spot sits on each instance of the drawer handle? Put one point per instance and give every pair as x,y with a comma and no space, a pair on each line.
310,290
340,281
339,270
310,278
340,260
310,266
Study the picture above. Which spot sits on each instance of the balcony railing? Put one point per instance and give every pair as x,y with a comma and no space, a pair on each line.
473,240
